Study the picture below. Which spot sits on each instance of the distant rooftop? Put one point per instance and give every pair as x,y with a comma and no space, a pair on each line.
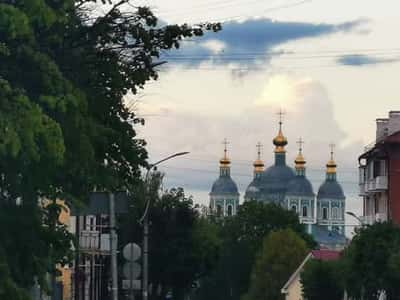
325,254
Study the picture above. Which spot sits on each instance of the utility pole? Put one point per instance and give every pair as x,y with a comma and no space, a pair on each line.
145,220
145,285
113,246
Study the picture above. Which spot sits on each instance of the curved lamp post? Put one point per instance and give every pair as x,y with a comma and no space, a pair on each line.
145,220
354,216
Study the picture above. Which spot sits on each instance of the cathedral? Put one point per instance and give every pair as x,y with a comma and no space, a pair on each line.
323,213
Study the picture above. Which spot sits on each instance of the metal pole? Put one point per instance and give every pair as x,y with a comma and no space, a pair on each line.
145,258
113,246
145,220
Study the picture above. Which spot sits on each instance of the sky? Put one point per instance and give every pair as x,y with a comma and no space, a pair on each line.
331,65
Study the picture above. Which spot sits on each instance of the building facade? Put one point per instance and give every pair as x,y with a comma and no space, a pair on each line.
323,214
379,169
224,195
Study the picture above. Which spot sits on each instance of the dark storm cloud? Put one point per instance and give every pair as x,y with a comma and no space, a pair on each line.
253,40
358,60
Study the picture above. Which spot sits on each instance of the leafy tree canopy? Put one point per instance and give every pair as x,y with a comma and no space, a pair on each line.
64,75
183,246
280,256
242,237
372,262
322,280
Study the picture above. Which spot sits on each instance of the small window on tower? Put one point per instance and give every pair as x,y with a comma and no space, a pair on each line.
304,211
324,213
219,210
230,209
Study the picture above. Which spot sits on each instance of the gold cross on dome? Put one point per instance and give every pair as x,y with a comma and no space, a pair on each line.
281,113
259,147
332,147
225,143
300,142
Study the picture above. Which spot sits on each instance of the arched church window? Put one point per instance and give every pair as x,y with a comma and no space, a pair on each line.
335,213
304,211
324,213
230,210
219,210
294,208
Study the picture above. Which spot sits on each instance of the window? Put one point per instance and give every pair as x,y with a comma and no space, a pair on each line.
294,208
304,211
335,213
230,210
324,213
376,202
219,210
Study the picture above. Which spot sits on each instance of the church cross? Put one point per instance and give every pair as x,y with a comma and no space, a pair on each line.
332,146
300,142
225,143
259,146
281,113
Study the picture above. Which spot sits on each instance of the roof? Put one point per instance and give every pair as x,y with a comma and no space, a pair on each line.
330,189
300,186
253,189
323,254
390,139
224,185
99,204
276,178
294,275
328,238
326,254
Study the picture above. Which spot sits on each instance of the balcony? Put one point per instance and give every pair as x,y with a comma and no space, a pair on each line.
379,183
381,217
368,220
93,240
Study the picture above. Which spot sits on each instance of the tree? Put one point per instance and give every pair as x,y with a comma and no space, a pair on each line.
322,280
64,75
242,237
183,246
281,254
372,262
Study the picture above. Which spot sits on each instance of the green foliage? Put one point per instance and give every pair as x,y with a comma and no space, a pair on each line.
322,280
280,256
242,237
183,246
372,262
64,78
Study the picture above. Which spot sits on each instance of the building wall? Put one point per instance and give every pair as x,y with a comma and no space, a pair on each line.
394,186
295,289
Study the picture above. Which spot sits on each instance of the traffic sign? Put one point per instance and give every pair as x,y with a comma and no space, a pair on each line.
131,284
132,252
131,270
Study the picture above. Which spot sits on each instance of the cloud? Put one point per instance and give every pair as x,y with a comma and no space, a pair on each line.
363,60
200,131
252,41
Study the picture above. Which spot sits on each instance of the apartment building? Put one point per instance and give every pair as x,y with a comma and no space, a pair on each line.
379,167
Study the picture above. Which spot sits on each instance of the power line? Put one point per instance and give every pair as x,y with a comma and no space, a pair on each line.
238,174
244,56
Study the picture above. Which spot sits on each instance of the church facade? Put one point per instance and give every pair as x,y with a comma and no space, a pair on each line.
323,213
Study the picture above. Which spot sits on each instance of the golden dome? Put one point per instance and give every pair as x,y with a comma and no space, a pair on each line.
225,161
258,163
300,161
331,165
280,141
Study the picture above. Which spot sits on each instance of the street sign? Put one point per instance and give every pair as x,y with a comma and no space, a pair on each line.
132,252
134,284
131,270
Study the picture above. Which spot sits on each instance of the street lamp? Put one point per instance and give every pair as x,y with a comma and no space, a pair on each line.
354,216
145,220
